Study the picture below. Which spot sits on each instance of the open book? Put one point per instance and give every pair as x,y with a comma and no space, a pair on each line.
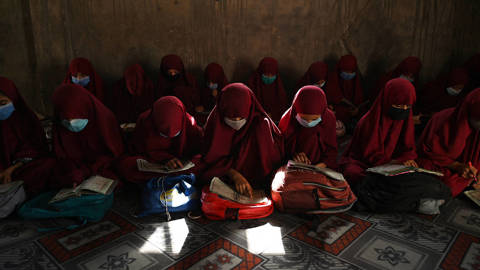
397,169
220,188
292,165
93,185
145,166
9,187
474,195
128,125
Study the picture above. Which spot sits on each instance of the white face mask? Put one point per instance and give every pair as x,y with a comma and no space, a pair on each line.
307,124
235,124
453,92
165,136
406,78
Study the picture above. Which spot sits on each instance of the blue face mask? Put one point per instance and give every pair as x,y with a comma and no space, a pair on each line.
75,125
268,80
213,86
406,78
347,76
83,81
6,111
305,123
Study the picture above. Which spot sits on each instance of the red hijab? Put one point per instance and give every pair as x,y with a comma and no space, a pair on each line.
100,137
448,136
82,65
132,95
337,88
377,138
410,64
255,150
434,96
319,143
316,72
21,135
165,85
272,96
213,73
156,128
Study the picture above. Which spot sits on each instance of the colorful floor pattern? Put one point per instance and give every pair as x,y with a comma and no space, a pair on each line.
343,241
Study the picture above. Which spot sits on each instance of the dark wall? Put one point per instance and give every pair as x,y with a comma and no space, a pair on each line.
38,38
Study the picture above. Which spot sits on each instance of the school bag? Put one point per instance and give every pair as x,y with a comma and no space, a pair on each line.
302,188
12,195
85,208
169,194
217,207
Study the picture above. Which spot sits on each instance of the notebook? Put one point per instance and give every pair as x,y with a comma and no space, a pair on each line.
93,185
292,165
145,166
397,169
474,195
218,187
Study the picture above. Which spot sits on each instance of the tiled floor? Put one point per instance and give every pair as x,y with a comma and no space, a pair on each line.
343,241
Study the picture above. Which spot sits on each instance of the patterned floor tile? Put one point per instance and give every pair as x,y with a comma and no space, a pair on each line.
298,255
256,235
415,229
220,254
377,250
65,245
331,233
16,230
177,237
26,256
461,215
126,253
464,253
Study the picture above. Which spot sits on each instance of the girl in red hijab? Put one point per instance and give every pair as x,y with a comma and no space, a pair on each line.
267,85
309,129
315,75
385,134
442,93
132,95
215,80
173,74
408,69
451,144
241,141
344,90
81,72
165,134
22,142
86,136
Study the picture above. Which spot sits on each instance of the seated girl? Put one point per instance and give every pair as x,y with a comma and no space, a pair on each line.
165,134
81,72
309,129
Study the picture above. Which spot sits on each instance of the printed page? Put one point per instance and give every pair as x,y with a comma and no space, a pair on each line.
145,166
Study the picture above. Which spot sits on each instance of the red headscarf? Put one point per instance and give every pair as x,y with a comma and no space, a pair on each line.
377,138
100,137
21,135
82,65
410,64
434,96
166,118
213,73
448,136
319,143
272,96
132,95
255,150
165,85
316,72
337,88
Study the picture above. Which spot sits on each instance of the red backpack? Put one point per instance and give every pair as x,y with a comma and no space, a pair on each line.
306,188
217,208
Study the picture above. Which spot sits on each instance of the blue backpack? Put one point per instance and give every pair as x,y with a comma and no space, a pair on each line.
86,208
169,194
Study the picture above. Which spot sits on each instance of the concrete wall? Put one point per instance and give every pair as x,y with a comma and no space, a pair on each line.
39,37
